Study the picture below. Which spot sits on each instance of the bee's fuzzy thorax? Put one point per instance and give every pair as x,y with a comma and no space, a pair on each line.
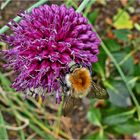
80,80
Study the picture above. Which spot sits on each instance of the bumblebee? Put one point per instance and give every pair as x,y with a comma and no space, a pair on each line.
78,83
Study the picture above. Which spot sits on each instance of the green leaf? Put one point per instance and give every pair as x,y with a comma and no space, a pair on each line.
99,135
137,88
112,45
122,20
118,118
132,81
3,131
94,116
92,16
120,97
127,65
137,69
128,128
122,34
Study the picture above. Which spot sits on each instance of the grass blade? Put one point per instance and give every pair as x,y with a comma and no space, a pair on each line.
5,83
3,131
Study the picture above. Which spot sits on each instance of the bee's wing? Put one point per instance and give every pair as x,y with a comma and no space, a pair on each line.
98,92
70,104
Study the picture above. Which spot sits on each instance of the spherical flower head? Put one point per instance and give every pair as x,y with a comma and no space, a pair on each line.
43,44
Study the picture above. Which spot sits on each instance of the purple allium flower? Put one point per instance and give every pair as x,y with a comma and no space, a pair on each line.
44,42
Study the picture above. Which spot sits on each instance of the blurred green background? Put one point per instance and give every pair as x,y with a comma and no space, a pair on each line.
117,22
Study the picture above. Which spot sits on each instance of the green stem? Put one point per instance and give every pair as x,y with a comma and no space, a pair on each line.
59,113
4,4
89,5
129,55
82,6
16,19
70,3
